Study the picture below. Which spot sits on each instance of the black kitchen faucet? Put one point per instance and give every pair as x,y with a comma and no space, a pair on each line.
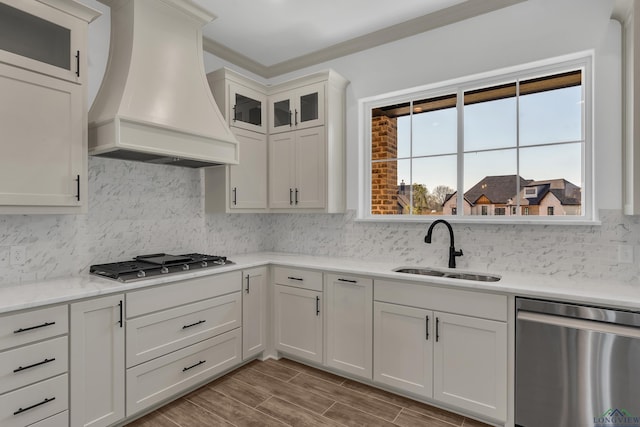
452,250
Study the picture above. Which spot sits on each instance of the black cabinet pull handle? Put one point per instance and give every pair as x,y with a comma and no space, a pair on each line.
317,306
427,328
234,114
77,63
235,195
21,410
291,196
247,283
348,281
290,122
296,117
45,324
77,180
295,278
437,329
120,307
193,366
200,322
24,368
296,196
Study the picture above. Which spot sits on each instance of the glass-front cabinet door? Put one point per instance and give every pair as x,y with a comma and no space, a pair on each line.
247,108
297,109
40,38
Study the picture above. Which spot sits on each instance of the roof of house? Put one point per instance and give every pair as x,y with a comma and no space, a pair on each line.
498,189
566,192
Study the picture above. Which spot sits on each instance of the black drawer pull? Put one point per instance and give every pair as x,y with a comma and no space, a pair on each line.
427,328
45,324
21,410
348,281
437,329
193,324
193,366
295,278
317,306
24,368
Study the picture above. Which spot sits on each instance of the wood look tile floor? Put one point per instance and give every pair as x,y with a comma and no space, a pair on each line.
287,393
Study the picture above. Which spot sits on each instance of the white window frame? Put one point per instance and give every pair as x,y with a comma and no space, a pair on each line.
582,60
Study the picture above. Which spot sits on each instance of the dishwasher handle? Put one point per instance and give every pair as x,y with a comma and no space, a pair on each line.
583,324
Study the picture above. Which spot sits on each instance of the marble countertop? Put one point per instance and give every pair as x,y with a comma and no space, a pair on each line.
65,289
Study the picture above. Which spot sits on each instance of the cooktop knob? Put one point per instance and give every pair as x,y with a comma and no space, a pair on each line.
164,270
141,274
204,264
185,267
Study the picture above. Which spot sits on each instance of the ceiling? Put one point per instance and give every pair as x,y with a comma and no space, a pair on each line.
273,37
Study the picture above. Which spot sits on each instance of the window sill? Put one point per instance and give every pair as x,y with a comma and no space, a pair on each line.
491,220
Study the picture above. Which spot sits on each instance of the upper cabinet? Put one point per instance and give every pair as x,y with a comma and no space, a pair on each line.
297,108
631,120
292,154
43,108
242,101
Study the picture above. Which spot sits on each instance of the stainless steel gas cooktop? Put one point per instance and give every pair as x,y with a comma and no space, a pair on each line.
147,266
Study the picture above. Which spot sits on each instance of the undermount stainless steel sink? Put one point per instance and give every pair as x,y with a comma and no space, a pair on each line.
448,274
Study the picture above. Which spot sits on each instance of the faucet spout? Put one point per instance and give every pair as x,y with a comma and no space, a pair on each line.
452,250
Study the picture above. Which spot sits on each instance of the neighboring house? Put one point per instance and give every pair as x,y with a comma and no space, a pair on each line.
490,196
496,195
550,197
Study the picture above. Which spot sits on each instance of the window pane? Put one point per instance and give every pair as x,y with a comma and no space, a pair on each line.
434,182
556,176
490,118
435,132
551,116
490,182
390,133
386,178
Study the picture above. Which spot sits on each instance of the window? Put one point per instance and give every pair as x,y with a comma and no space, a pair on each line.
550,210
505,142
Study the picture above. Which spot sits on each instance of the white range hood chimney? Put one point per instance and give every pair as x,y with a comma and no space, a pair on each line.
155,104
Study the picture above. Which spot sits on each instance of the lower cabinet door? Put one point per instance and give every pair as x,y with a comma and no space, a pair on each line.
97,361
403,348
161,378
470,364
349,302
298,322
254,311
36,402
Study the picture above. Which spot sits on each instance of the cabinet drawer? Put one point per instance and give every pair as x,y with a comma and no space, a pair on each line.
35,402
469,303
30,326
161,378
156,334
33,363
299,278
183,292
58,420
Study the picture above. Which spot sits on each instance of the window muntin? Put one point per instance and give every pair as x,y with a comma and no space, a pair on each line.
512,140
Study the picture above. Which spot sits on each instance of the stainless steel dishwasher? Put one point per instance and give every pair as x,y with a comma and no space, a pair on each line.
576,366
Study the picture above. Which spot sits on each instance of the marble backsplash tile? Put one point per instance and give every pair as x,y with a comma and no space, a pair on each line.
138,208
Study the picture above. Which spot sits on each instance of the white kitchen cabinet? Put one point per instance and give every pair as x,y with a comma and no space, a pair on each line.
241,187
298,108
254,312
298,168
349,321
97,361
298,313
403,348
444,344
470,359
43,109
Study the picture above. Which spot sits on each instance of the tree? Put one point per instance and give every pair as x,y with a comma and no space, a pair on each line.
440,193
421,198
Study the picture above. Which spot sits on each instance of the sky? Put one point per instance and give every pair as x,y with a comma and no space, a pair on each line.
545,117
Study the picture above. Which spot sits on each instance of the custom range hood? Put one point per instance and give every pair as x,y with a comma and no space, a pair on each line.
155,104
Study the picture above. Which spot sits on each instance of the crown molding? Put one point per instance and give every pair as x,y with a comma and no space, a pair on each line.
440,18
